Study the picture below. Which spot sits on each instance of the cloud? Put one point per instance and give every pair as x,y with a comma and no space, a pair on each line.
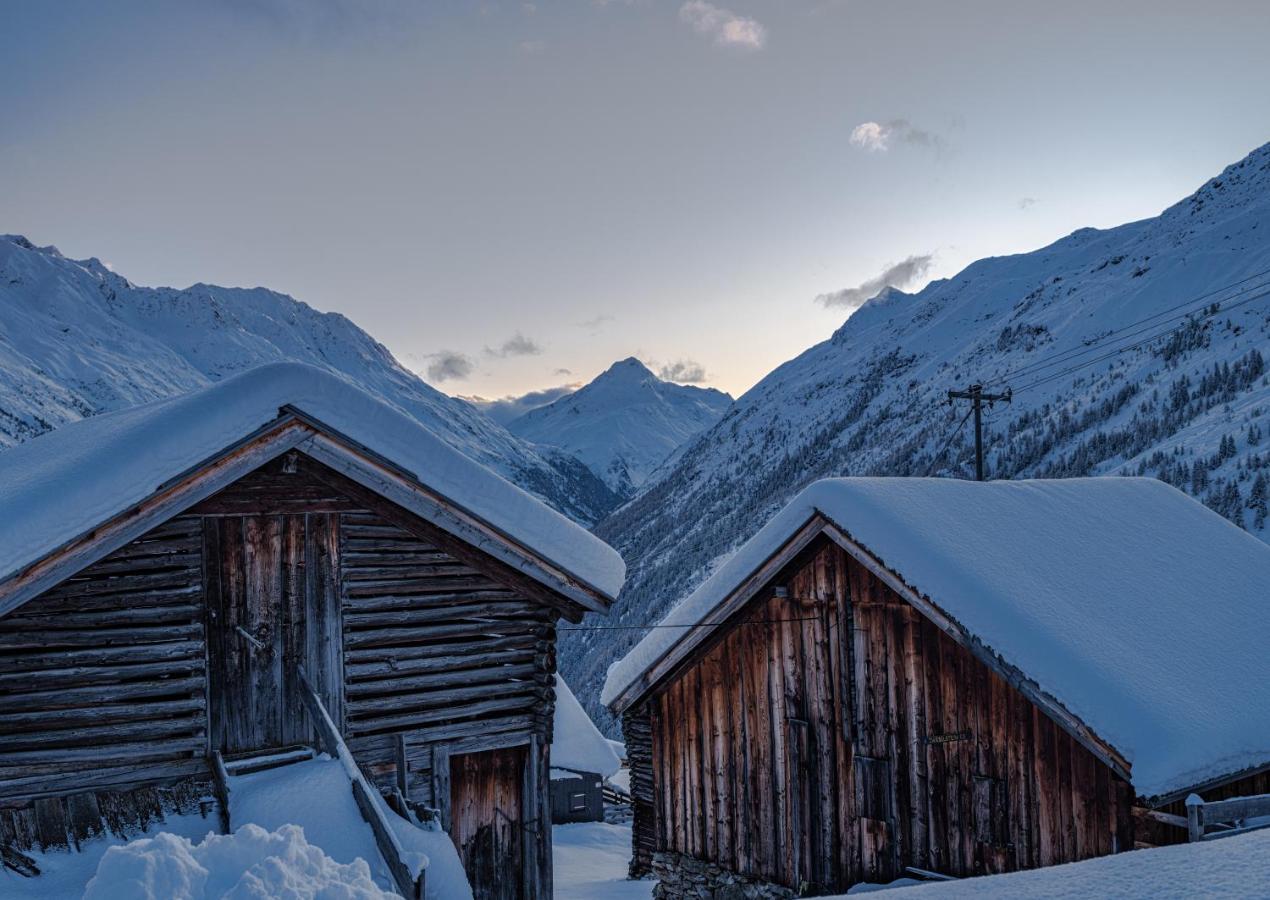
449,364
594,325
562,372
516,345
1027,202
684,371
531,48
899,275
877,137
507,408
724,26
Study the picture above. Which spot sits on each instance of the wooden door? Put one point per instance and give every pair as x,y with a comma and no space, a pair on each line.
486,821
271,586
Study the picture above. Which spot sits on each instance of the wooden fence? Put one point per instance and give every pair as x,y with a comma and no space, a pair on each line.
1232,816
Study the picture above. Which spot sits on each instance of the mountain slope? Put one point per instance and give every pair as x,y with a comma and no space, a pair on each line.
625,423
1186,406
76,339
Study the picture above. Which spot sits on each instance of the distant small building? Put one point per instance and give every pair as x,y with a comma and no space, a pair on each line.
950,676
581,760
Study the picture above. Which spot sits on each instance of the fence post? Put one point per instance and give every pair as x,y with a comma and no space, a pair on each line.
1194,817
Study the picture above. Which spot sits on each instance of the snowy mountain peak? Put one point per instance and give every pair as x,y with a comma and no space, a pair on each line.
77,339
625,423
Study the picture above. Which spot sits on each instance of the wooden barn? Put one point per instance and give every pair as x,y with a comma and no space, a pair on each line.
582,759
274,565
900,676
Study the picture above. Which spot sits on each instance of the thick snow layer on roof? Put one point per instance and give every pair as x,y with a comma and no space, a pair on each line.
1142,611
61,484
1233,867
577,744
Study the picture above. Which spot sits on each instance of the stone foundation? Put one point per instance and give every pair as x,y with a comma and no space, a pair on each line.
682,877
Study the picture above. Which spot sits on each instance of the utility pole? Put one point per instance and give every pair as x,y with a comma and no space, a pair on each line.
975,395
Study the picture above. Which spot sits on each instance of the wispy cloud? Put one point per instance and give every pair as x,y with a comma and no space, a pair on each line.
595,324
505,409
447,365
878,137
1027,202
723,26
900,275
684,371
516,345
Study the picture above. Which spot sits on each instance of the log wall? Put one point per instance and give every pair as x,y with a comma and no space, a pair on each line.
103,678
838,736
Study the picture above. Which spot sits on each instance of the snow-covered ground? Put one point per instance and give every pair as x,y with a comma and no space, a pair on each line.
590,863
314,796
1234,868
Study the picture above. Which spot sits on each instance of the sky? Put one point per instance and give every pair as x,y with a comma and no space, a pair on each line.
513,195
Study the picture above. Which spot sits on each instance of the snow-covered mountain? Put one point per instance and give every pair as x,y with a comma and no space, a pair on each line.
1135,350
625,423
76,339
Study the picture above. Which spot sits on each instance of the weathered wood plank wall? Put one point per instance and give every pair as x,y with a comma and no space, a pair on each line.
103,678
837,735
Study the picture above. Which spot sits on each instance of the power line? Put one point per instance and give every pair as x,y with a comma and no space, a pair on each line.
948,440
1137,344
685,625
977,397
1119,333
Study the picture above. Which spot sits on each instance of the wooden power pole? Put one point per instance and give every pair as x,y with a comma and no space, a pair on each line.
975,395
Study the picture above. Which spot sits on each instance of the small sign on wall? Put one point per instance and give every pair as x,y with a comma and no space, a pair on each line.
949,737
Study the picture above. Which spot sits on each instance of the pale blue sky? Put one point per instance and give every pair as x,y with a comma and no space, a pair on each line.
672,180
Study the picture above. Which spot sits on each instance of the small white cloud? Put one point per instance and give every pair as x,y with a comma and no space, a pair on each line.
1027,202
595,324
684,371
516,345
448,364
899,275
724,26
878,137
531,48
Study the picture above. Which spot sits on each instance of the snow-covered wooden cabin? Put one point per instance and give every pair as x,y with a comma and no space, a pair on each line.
957,677
582,759
208,578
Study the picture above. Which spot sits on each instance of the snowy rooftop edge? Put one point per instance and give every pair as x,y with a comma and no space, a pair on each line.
51,489
1094,635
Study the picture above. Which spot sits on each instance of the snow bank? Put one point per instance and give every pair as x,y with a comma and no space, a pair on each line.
577,744
66,482
251,864
1235,867
1142,611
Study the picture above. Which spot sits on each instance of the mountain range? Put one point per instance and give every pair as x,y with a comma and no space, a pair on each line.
1134,350
624,424
77,339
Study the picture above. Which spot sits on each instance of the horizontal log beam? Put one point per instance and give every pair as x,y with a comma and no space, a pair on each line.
63,659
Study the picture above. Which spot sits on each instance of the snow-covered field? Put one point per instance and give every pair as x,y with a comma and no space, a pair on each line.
590,860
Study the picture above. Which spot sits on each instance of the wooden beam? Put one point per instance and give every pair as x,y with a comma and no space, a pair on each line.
220,778
409,883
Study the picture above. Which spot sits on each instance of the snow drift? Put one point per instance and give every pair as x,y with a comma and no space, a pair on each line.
251,864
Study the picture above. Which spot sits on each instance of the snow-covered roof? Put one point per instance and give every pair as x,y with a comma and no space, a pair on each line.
577,744
65,483
1142,612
